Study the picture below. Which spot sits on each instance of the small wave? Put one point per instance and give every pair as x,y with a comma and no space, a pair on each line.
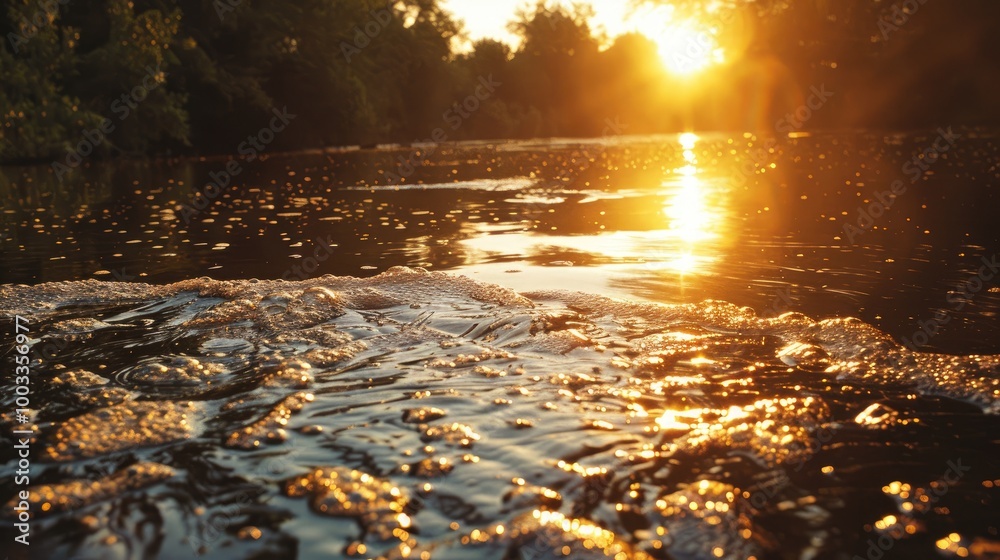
477,418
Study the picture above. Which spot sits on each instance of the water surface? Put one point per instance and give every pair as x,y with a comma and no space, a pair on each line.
646,347
758,222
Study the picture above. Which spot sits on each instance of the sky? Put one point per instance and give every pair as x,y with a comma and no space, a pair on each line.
685,46
489,18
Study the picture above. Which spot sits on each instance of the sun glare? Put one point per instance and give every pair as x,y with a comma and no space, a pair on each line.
688,209
685,46
692,215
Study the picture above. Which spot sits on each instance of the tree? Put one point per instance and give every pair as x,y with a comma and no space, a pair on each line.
62,81
553,69
37,116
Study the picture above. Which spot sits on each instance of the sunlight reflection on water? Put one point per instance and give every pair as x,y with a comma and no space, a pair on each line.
694,213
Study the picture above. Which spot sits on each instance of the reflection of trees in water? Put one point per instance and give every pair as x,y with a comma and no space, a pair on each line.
81,213
142,201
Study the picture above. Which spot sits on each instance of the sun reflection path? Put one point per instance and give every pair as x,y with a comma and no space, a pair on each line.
692,216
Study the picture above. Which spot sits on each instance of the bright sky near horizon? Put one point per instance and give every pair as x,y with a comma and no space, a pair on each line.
686,46
489,18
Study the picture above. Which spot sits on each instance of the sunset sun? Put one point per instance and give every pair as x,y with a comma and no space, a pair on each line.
685,46
686,50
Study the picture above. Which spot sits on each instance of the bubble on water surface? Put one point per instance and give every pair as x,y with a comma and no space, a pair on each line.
879,416
454,434
542,534
89,389
287,372
270,428
78,326
422,415
125,426
49,499
178,370
707,519
377,504
804,356
528,496
535,535
771,431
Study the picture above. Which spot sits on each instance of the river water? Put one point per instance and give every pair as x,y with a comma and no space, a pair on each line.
674,347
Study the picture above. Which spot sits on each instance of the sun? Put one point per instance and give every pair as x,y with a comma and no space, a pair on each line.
686,47
685,50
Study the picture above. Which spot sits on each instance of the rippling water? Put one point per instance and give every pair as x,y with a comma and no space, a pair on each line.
419,412
644,355
736,218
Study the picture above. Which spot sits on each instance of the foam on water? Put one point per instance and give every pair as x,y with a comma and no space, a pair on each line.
125,426
51,499
427,413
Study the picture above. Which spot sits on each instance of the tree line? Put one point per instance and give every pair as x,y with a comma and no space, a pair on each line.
167,77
